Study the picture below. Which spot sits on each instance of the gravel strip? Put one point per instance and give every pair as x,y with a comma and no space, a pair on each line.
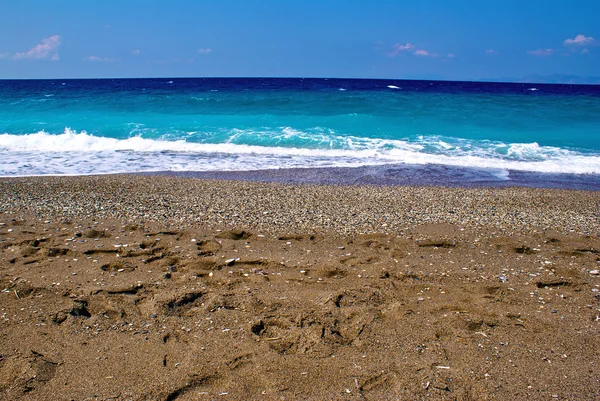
272,207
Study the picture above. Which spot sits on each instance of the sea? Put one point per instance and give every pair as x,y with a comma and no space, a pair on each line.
305,130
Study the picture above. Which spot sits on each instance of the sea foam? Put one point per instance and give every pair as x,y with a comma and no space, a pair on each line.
72,153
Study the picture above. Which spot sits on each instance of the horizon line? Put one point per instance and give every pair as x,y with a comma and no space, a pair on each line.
483,80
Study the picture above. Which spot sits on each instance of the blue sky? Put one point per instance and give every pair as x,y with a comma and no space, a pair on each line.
443,39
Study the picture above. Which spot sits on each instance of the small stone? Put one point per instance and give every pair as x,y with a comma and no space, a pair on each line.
230,262
167,275
594,272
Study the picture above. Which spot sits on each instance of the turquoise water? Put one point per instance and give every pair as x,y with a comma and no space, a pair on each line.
106,126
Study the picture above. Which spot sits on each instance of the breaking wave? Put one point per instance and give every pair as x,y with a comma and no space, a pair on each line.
73,153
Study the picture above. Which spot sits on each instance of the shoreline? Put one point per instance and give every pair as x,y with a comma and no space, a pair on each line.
430,175
387,175
135,287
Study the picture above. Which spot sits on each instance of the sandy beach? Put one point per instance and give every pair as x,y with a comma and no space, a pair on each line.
163,288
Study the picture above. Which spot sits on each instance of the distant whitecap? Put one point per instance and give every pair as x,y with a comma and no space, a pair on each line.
393,87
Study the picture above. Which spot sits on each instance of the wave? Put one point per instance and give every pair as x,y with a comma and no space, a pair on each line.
81,153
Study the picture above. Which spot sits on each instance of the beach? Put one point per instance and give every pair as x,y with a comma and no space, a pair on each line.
151,287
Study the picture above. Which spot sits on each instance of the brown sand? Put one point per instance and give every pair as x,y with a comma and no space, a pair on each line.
157,288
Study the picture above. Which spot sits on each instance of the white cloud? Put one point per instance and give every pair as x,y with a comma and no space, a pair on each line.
206,50
47,50
491,52
425,53
136,52
96,59
398,48
541,52
409,48
579,40
573,45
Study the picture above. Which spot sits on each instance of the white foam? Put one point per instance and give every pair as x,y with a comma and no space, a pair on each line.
81,153
393,87
501,174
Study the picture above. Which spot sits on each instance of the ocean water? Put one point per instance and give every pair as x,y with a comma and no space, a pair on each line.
495,131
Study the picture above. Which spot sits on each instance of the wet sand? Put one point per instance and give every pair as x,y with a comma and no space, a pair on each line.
163,288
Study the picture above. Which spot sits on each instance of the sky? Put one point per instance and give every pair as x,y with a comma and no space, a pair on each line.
418,39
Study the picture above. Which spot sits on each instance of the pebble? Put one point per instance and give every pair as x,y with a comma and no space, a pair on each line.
594,272
340,210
